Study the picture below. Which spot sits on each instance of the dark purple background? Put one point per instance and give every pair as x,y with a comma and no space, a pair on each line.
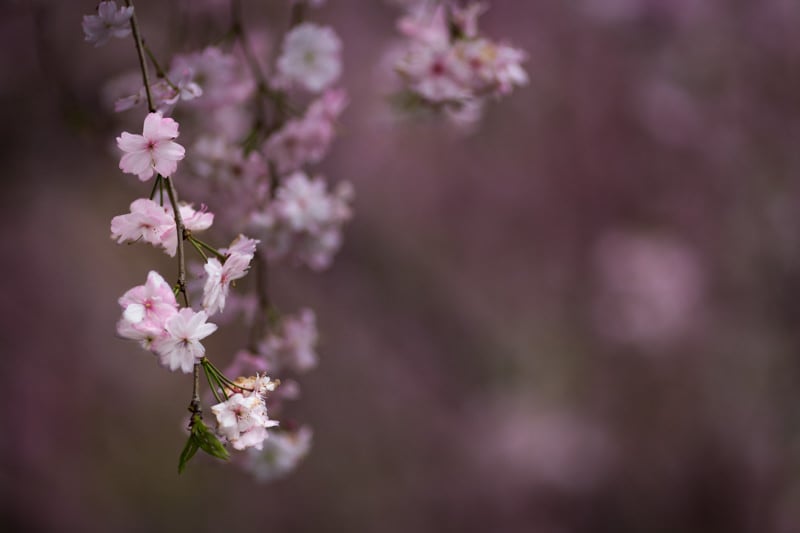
464,384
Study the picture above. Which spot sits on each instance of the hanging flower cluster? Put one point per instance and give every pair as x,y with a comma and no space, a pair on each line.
445,62
256,128
250,147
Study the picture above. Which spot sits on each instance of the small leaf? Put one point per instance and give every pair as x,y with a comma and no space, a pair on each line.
188,452
209,442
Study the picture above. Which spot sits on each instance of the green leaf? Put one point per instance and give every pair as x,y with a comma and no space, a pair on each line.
188,452
201,438
209,442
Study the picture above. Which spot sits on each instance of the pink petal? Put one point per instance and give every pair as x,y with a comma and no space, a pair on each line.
130,142
165,167
169,150
157,128
138,163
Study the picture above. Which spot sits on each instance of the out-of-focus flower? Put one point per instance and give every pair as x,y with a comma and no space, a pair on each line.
230,178
306,140
110,21
311,57
304,220
293,344
180,347
283,451
243,420
649,288
223,78
447,64
153,151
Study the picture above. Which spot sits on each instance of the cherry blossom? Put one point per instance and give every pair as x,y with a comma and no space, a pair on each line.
449,65
146,221
146,310
304,220
293,346
311,57
306,140
281,453
155,224
243,420
193,220
219,277
110,21
153,151
180,347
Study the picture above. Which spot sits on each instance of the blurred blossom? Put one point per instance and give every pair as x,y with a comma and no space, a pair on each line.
649,288
283,451
310,57
446,64
670,113
109,22
304,221
223,77
523,445
292,345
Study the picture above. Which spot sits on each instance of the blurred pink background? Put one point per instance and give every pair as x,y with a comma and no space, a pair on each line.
580,317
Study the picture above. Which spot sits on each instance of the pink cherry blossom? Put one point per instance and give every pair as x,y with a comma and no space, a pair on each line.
155,224
147,221
180,347
109,22
219,277
241,245
153,151
304,220
243,420
311,57
193,220
306,140
146,309
293,346
283,451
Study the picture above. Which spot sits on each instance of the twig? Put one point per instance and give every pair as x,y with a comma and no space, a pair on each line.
137,37
181,234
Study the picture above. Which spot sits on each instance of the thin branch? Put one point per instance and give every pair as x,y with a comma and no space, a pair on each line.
194,406
137,37
181,234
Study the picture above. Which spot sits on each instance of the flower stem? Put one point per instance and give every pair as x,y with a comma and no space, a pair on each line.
155,186
137,37
181,234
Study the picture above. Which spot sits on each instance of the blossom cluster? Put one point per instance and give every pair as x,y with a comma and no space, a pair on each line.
151,316
257,126
250,147
446,62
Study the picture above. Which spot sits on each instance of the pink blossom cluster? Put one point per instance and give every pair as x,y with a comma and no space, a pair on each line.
282,452
220,275
445,61
110,21
151,316
153,223
304,141
291,345
310,58
256,122
304,220
242,419
250,148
